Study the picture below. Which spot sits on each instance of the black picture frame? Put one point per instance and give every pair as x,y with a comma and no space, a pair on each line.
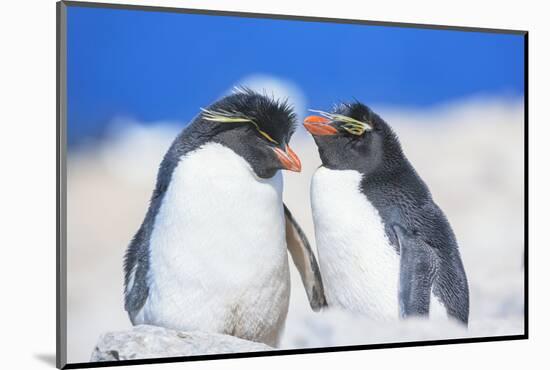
61,187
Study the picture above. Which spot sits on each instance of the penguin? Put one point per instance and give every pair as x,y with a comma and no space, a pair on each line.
211,253
385,249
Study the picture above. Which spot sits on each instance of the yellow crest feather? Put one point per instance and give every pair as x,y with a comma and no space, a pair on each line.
233,117
351,125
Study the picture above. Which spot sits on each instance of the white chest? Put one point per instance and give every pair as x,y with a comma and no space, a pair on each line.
218,257
359,267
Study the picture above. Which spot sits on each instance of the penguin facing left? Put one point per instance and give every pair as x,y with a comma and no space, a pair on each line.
211,253
385,248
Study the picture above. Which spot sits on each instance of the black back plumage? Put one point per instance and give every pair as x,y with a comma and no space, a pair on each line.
402,198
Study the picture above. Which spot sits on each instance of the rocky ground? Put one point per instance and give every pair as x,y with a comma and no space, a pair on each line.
144,341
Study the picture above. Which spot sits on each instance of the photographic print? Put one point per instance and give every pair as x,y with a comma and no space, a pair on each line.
237,184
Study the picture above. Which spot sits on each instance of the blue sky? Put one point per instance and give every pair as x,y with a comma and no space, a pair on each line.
154,66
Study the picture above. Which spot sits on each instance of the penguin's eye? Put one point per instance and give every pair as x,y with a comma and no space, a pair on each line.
354,131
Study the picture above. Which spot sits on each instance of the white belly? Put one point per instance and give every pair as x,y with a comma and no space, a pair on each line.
218,259
359,266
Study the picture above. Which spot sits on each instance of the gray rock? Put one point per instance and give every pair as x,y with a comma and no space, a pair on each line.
146,341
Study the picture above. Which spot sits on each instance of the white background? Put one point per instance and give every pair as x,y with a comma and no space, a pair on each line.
27,154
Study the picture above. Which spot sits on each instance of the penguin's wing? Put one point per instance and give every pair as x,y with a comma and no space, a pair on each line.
136,264
418,265
305,262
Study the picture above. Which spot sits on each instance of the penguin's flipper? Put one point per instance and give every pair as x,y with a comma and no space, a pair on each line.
417,272
305,262
136,264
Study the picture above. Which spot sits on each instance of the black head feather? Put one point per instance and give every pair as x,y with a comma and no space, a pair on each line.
374,148
358,111
251,124
268,114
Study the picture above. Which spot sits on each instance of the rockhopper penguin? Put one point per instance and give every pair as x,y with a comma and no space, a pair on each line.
211,253
385,248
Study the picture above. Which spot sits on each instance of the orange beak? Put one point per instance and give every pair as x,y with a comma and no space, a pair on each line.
288,159
317,125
